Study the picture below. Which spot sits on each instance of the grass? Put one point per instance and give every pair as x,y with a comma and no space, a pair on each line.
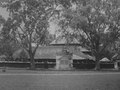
59,80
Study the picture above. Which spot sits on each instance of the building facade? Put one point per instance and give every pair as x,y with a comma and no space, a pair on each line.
60,55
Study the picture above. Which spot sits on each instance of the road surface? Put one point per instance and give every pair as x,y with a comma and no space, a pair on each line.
59,80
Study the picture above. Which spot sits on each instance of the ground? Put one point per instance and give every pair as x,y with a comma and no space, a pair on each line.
59,80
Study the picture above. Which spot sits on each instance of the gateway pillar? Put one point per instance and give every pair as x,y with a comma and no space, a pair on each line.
64,61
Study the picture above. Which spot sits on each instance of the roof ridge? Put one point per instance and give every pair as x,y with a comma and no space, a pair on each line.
62,40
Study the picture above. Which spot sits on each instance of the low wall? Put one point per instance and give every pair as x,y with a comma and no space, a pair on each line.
52,65
26,65
90,64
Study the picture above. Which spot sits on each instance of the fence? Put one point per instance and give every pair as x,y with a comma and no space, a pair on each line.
26,65
76,64
90,64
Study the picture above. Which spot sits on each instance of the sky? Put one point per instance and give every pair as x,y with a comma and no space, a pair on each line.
4,13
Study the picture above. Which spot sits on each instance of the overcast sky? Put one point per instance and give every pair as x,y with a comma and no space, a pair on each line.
4,13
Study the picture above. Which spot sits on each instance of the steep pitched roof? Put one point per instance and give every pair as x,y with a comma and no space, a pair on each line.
49,52
76,57
104,59
63,40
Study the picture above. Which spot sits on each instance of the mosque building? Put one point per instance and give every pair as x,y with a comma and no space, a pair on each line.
62,54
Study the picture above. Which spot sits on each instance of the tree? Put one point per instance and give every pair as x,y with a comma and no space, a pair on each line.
7,43
28,24
2,20
95,23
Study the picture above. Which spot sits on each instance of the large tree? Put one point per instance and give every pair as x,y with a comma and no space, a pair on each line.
28,24
96,23
7,44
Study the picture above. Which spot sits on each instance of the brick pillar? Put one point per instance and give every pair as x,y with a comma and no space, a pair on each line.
63,61
116,65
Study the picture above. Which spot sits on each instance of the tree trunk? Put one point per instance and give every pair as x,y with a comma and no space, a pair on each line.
32,63
97,64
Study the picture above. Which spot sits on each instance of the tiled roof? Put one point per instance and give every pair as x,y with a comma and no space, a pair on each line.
76,57
49,52
104,59
63,40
